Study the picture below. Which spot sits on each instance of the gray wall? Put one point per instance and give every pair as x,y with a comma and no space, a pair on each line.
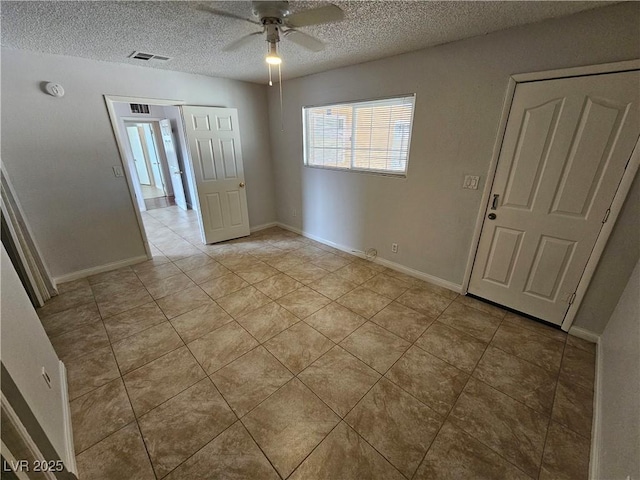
618,428
59,152
26,349
615,267
460,91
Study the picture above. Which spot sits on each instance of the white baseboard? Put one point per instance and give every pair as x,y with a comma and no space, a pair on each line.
381,261
99,269
70,461
594,458
263,226
584,334
420,275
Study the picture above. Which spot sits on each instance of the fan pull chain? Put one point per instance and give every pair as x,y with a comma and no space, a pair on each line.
281,109
270,82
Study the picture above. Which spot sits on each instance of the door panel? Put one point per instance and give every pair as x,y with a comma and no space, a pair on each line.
590,153
214,209
216,154
235,208
566,145
206,159
175,172
228,152
505,248
538,125
152,155
549,267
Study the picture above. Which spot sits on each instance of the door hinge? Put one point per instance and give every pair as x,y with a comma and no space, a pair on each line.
572,298
606,215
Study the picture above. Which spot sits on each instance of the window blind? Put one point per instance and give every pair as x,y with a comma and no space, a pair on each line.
368,136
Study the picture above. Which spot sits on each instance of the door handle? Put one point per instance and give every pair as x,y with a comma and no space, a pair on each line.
492,216
494,203
241,185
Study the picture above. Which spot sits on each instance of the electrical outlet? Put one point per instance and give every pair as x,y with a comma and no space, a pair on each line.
294,212
117,171
471,182
394,248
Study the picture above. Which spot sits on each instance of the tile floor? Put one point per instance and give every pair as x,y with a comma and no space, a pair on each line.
274,356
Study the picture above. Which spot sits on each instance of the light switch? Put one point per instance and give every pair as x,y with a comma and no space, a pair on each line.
117,171
471,182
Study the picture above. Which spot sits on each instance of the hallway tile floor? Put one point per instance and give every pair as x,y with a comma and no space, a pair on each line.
275,356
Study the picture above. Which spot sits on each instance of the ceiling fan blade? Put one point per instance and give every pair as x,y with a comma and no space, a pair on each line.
315,16
241,42
222,13
304,40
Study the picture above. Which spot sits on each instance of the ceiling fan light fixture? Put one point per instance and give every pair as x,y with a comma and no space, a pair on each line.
272,57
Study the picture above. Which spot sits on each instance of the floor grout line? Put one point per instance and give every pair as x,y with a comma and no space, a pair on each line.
310,261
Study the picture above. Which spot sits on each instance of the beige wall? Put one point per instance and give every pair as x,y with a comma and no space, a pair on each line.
618,402
460,90
59,152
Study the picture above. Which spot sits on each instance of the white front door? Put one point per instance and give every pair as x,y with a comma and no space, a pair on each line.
172,161
565,149
216,156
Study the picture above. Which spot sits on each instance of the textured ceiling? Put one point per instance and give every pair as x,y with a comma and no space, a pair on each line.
111,31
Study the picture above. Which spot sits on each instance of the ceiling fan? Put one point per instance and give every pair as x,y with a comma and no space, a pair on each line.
275,18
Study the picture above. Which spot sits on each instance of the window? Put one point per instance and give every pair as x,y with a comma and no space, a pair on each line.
371,136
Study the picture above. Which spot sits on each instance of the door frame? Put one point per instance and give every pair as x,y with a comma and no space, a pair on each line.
110,101
618,200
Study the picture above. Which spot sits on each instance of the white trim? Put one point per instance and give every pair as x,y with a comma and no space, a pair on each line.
263,226
100,269
420,275
149,101
70,461
603,236
584,334
380,261
596,428
110,101
9,457
615,67
33,263
619,198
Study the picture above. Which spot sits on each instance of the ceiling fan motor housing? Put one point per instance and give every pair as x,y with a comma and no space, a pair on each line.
270,10
272,28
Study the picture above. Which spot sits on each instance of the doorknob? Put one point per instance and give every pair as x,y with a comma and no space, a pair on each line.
241,185
492,216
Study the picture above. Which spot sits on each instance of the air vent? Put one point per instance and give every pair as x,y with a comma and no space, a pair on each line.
149,56
139,108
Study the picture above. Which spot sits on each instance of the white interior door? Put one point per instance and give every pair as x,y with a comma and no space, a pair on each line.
565,149
175,173
152,155
216,156
139,159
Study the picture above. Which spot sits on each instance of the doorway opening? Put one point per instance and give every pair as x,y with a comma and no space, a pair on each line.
150,164
211,185
155,156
